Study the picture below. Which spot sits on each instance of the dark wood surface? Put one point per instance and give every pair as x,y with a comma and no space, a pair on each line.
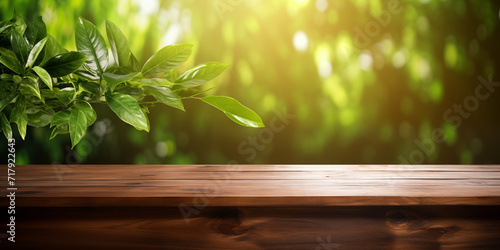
255,207
381,227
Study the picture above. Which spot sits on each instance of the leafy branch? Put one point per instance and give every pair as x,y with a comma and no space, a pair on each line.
43,84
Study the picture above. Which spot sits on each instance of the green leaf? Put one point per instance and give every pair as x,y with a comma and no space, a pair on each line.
32,109
7,52
190,92
6,77
19,116
64,64
136,92
18,22
19,108
35,52
66,80
6,101
167,58
41,118
166,96
52,48
235,111
113,79
171,75
22,124
50,94
91,87
44,75
156,82
91,43
60,118
201,74
53,104
29,86
36,31
134,63
85,74
119,45
7,129
20,47
128,110
17,79
66,95
77,126
12,63
59,130
4,25
187,92
89,112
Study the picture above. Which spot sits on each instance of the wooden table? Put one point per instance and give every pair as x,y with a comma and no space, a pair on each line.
256,206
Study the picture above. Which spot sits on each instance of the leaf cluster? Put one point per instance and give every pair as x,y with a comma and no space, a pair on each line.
43,84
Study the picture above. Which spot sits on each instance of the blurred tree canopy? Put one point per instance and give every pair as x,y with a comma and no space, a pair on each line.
365,81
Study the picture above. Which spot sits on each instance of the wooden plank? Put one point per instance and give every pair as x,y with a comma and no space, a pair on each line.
252,175
257,207
422,227
249,189
200,201
288,184
21,183
148,169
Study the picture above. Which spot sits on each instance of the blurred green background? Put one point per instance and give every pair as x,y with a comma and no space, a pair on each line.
363,81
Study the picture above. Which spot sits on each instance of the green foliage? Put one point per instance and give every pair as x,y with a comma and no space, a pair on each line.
235,110
44,84
167,58
128,109
201,74
119,44
35,51
64,64
44,76
7,129
77,125
91,43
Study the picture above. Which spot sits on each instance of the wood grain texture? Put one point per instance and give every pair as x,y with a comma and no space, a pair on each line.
387,227
255,207
256,185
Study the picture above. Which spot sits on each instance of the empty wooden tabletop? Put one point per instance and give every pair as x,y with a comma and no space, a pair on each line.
255,185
